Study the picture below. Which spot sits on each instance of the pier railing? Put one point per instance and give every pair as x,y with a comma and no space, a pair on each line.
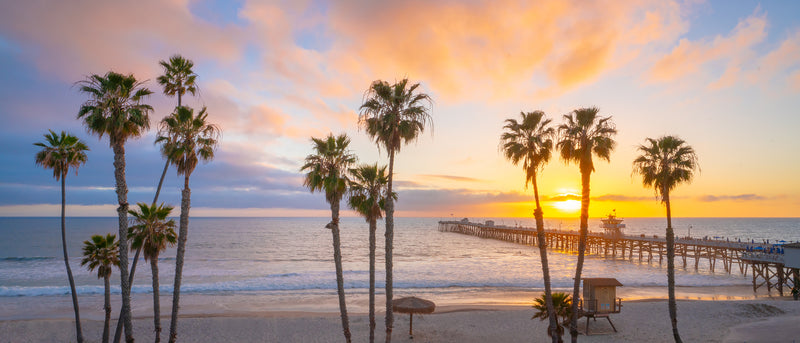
767,268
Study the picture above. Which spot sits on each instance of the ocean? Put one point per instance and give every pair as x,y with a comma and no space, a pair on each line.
286,264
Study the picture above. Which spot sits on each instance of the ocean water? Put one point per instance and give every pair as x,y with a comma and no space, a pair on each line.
293,257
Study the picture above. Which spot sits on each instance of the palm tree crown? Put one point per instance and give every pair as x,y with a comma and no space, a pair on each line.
368,190
152,232
529,141
585,134
101,253
394,114
60,153
188,138
178,77
114,106
665,163
326,169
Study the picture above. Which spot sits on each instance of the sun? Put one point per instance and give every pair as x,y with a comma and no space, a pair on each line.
568,205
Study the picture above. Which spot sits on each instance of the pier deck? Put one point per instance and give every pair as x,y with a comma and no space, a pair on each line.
767,269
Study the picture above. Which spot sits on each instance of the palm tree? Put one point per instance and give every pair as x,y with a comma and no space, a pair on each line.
368,198
115,109
583,135
665,163
60,152
393,115
326,171
102,253
530,141
195,139
178,78
562,309
153,233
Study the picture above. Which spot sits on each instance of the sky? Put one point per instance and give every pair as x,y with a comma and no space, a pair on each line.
722,75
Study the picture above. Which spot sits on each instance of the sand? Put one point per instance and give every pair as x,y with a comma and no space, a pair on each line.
759,320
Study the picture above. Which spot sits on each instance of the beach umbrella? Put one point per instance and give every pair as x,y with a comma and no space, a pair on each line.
412,305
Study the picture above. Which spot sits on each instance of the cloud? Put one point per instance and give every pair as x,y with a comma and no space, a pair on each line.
498,44
562,197
98,36
444,199
740,197
619,197
736,48
451,177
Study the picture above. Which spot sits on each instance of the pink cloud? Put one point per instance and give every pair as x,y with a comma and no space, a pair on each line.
93,37
688,57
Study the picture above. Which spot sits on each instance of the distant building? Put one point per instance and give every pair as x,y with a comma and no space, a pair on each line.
465,220
490,223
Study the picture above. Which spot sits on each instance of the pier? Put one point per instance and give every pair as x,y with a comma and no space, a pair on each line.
767,269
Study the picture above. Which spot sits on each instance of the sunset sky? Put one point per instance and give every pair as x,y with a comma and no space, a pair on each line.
723,75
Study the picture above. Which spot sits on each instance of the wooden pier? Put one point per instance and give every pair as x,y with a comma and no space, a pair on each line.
767,269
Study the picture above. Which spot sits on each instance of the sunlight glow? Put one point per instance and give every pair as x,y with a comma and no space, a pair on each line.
568,205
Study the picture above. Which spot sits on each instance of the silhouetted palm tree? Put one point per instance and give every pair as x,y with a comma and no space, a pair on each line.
665,163
583,135
153,233
368,197
393,115
530,141
195,140
115,109
59,153
326,171
562,305
102,253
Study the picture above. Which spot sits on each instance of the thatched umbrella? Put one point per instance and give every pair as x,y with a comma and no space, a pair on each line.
412,305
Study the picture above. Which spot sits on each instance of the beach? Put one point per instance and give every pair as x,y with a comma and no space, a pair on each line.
758,320
272,280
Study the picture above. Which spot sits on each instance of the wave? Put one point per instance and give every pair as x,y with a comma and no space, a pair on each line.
306,282
24,259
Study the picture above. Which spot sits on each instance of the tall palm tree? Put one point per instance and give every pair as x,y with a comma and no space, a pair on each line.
115,109
196,139
368,194
530,141
393,115
581,136
153,233
665,163
59,153
102,253
178,78
326,171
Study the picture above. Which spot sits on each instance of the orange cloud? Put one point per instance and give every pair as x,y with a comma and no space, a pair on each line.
495,47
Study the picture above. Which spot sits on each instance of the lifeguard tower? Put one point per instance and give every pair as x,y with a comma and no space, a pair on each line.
613,226
600,299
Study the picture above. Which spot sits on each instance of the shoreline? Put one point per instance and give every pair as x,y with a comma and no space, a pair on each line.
326,301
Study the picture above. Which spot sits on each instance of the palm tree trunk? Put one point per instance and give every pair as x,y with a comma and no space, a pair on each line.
389,247
66,257
373,226
107,305
548,294
337,260
182,233
673,307
118,331
156,302
122,211
586,174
